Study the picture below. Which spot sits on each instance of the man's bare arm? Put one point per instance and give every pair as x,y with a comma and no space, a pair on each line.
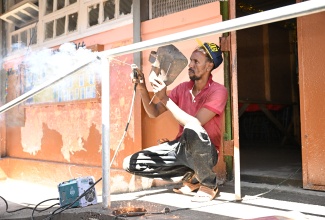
203,116
153,109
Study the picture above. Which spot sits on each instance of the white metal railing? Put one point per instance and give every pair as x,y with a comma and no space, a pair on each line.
279,14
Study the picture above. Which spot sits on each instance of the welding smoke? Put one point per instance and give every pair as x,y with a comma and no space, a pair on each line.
46,64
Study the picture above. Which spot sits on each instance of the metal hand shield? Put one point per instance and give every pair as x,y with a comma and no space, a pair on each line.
172,62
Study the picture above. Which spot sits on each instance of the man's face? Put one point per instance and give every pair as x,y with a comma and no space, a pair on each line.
198,66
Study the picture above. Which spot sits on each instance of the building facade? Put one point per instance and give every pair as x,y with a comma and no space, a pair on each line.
56,134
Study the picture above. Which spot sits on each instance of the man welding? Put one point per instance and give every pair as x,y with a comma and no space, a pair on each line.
197,105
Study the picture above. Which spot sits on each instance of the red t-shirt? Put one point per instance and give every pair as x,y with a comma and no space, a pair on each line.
212,97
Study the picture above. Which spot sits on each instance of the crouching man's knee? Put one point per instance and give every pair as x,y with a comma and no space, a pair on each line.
126,163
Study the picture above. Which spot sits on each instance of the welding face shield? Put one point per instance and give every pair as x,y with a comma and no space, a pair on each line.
171,62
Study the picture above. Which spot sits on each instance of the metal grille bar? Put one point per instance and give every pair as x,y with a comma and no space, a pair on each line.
164,7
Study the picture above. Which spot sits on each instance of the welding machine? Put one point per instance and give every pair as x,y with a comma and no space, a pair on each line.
70,190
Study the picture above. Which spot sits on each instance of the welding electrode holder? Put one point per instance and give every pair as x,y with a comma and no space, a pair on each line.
135,72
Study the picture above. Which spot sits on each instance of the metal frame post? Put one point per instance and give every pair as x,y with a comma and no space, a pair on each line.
106,134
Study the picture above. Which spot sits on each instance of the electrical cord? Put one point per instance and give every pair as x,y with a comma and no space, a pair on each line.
30,208
279,184
13,210
127,125
32,217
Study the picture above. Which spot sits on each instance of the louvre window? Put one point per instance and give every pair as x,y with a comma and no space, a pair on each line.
14,39
72,22
49,6
60,4
60,26
36,22
23,37
49,29
164,7
93,15
109,10
125,7
56,5
33,35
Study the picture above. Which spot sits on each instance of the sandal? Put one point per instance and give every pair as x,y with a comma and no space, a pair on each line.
187,188
205,194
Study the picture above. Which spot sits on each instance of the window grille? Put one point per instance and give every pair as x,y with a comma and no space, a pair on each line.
108,10
23,37
56,21
93,15
56,5
164,7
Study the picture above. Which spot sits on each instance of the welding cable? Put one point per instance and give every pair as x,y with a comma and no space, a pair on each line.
127,124
34,209
279,184
13,210
42,210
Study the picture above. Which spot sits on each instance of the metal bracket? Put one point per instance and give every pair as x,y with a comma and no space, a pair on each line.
225,43
228,148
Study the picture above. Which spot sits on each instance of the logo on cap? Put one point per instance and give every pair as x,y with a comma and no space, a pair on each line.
213,47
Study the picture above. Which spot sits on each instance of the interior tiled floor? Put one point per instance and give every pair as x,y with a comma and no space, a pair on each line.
271,163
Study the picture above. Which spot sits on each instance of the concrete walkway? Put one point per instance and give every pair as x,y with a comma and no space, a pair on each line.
259,201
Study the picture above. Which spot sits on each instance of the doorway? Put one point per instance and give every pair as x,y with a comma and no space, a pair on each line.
268,96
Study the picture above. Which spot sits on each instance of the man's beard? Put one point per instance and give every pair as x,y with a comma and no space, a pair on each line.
194,77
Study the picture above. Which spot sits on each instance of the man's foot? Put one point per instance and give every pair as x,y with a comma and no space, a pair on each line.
187,188
205,194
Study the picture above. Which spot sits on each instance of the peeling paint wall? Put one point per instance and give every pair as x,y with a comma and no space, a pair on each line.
71,132
72,124
58,133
